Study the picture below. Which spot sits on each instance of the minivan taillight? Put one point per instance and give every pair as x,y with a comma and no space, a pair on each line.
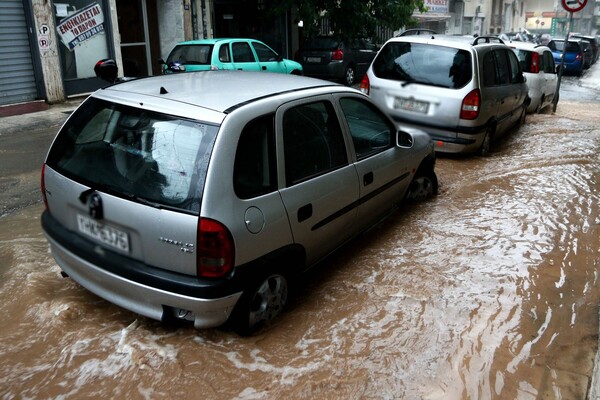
535,63
43,187
215,253
365,85
470,105
579,56
337,55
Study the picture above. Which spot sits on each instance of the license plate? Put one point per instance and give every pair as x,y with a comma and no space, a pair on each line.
411,105
104,233
313,59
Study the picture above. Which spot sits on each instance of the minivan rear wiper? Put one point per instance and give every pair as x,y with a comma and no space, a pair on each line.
422,82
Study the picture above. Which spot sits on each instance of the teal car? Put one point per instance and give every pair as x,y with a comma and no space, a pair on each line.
227,54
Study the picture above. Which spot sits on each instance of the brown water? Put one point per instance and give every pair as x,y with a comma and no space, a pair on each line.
490,291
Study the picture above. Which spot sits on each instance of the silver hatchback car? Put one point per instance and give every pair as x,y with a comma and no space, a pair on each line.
464,91
201,196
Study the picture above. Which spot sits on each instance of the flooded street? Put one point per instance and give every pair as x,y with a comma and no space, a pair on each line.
489,291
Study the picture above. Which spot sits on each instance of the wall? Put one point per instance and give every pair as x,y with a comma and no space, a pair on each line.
171,24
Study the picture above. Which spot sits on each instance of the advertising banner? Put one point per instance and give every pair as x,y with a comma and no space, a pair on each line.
80,26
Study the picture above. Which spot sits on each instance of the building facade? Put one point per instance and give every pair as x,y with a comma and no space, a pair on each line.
49,47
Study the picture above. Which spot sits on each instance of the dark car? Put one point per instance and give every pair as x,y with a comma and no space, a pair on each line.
336,58
587,54
574,62
594,43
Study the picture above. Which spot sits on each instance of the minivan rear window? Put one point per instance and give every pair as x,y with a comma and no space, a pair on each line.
141,155
424,63
197,54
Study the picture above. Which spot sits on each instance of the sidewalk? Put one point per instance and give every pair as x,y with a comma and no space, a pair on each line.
54,115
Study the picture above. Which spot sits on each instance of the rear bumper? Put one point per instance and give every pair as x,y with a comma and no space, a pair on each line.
158,297
458,140
333,70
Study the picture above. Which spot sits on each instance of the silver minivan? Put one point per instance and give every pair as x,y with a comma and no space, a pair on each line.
201,196
463,91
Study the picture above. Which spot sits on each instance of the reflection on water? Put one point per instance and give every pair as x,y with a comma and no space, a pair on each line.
488,291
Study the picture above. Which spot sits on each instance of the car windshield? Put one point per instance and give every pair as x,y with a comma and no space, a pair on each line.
151,157
425,64
197,54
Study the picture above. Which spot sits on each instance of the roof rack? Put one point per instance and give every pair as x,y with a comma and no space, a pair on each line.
487,39
417,31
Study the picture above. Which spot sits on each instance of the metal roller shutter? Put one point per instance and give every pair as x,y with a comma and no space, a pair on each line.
17,79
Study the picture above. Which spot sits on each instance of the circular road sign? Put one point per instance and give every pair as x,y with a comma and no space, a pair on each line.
573,5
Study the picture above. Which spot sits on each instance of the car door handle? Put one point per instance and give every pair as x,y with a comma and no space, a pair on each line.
305,212
367,179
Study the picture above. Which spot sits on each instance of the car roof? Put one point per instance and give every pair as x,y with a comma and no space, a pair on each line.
214,41
527,46
219,91
458,41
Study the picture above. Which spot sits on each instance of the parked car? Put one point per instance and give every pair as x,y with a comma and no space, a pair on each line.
464,92
230,54
517,37
573,63
336,58
183,197
594,43
587,54
537,63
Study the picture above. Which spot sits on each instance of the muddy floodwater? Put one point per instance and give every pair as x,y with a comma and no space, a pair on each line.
489,291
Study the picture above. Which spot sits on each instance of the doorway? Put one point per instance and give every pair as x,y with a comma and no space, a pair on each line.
140,45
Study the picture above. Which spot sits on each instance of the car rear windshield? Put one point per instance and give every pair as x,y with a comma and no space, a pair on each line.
153,158
196,54
425,64
322,43
559,44
524,57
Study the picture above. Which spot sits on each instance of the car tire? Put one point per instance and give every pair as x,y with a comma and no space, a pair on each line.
486,146
423,186
260,304
523,117
349,75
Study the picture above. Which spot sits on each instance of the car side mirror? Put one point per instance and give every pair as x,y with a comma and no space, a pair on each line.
404,139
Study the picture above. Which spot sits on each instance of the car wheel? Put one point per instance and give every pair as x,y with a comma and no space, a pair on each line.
423,186
349,75
538,109
523,117
260,304
486,145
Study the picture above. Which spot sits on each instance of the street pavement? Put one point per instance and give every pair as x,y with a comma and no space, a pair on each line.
56,114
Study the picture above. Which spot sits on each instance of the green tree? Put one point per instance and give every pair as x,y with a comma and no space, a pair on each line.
353,17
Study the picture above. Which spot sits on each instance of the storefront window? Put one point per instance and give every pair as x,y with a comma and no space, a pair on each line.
82,29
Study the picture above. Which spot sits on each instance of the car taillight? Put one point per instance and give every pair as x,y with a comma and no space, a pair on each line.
215,253
43,186
579,56
535,63
470,105
337,55
365,85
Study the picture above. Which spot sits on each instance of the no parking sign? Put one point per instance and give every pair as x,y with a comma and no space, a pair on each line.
573,5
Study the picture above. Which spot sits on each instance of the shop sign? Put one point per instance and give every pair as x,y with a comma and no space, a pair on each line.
436,6
80,26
